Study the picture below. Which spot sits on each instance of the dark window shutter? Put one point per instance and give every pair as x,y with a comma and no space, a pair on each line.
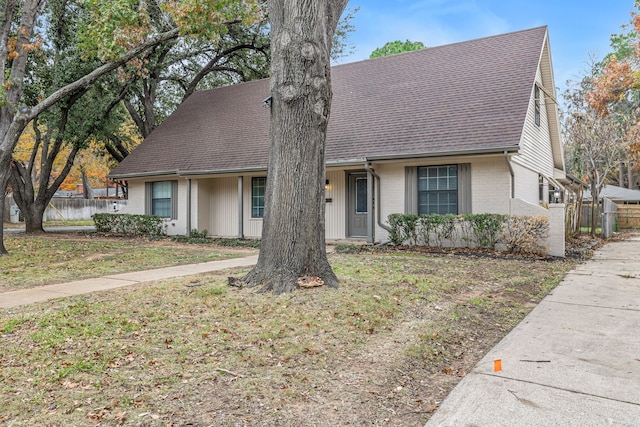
174,199
148,197
411,190
464,188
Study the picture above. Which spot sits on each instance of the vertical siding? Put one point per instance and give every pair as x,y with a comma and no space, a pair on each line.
336,210
223,207
201,200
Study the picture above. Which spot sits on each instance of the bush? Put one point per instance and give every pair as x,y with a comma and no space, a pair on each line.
198,234
525,234
485,228
129,224
518,233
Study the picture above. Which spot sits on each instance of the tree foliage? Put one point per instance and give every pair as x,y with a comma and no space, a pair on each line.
115,32
395,47
615,84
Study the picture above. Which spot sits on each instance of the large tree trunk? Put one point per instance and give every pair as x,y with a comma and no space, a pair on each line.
33,218
293,242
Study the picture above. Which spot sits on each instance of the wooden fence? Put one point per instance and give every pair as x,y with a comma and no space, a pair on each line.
71,209
629,216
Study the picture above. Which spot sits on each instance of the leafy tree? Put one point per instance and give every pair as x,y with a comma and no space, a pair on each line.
395,47
614,88
293,234
117,32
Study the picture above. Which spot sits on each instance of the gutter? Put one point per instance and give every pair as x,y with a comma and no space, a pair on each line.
510,166
368,168
174,172
329,163
496,150
188,207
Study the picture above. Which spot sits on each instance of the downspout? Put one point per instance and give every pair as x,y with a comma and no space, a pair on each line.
377,177
188,207
513,180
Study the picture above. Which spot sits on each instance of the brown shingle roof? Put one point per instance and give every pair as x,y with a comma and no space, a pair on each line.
470,96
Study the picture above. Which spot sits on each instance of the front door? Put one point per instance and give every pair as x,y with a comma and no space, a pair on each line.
358,197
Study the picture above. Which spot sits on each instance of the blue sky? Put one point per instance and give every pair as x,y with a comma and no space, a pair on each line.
577,28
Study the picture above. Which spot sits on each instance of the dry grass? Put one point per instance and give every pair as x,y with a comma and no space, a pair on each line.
55,258
383,349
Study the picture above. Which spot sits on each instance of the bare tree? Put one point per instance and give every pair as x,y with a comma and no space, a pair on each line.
293,234
594,144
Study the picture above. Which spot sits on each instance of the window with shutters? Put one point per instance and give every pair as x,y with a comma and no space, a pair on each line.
438,189
162,199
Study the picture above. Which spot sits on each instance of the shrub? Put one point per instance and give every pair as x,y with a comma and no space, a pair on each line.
129,224
485,228
198,234
525,234
396,235
518,233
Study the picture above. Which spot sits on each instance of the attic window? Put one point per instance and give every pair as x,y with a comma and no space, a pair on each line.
536,96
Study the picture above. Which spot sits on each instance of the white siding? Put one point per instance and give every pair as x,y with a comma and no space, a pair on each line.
536,152
336,210
219,206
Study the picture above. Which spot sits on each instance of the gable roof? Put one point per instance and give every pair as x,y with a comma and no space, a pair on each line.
467,97
615,193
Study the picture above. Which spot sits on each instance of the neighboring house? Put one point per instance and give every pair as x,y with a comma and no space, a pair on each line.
626,210
619,195
469,127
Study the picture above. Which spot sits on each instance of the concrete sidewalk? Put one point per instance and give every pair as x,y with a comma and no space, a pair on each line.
44,293
574,361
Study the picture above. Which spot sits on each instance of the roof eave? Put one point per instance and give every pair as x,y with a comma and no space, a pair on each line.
173,172
455,153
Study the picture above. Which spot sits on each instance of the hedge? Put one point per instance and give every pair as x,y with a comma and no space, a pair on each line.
514,233
129,224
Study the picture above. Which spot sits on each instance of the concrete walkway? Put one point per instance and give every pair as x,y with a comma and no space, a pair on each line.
574,361
44,293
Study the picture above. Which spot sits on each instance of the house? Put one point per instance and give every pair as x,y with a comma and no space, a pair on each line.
619,195
468,127
623,203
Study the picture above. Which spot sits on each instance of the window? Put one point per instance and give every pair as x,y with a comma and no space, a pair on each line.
536,96
438,189
162,199
258,186
361,195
